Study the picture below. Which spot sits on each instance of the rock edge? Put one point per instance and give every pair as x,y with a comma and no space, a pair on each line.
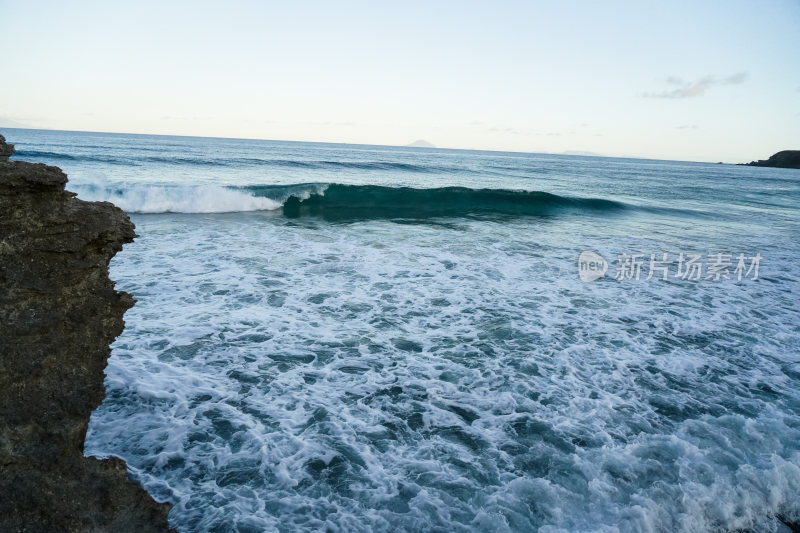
58,314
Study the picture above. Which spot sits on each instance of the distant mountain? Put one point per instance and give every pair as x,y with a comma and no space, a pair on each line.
582,152
784,159
8,123
420,143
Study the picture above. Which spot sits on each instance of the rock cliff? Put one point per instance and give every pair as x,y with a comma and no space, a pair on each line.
784,159
58,314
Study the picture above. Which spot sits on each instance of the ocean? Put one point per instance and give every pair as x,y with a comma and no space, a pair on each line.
349,338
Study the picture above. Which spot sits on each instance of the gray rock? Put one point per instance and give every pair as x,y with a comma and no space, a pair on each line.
6,150
58,314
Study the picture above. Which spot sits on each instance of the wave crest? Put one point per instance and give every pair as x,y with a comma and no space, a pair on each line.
373,201
341,202
171,199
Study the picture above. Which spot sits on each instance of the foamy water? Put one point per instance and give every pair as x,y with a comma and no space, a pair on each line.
363,359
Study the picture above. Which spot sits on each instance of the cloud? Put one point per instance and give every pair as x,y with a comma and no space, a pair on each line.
735,79
691,89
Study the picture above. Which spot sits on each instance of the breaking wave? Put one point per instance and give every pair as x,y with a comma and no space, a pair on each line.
336,201
172,199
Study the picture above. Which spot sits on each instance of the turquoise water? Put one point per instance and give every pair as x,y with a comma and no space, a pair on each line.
360,338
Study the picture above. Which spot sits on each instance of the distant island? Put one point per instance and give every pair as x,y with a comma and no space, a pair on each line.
783,159
420,143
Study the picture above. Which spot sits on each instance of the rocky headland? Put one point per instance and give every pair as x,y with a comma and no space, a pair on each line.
58,314
784,159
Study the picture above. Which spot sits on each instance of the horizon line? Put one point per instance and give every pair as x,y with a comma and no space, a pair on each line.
373,145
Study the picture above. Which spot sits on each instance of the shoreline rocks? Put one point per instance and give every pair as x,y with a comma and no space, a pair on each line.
58,314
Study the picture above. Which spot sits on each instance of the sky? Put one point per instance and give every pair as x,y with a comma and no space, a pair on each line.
688,80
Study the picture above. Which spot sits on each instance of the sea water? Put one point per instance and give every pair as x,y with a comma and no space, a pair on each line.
360,338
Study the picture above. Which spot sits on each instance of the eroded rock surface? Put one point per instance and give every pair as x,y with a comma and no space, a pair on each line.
58,314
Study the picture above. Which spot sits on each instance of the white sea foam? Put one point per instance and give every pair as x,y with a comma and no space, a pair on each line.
293,375
175,199
384,377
